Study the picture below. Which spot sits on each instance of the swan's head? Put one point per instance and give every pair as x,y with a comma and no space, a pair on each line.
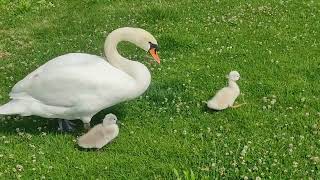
145,41
137,36
109,119
234,76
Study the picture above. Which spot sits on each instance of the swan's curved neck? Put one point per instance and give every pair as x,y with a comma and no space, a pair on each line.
136,70
110,49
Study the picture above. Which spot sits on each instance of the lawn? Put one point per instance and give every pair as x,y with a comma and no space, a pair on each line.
168,133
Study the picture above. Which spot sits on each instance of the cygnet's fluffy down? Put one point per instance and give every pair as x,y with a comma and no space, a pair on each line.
227,95
101,134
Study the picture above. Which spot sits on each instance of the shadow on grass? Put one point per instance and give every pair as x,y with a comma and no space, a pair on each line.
36,125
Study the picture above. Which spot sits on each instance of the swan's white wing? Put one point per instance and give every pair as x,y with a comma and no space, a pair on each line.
73,79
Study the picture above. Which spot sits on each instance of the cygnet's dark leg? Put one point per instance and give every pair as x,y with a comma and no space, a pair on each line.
86,126
65,125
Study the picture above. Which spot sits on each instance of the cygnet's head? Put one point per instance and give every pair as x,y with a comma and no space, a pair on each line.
234,76
110,119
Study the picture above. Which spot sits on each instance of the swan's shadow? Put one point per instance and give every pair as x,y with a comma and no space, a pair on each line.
37,125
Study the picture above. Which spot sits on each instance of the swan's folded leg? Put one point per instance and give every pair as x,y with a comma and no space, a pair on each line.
86,126
65,125
86,122
238,105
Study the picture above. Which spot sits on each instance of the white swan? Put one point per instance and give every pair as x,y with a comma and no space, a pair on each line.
78,85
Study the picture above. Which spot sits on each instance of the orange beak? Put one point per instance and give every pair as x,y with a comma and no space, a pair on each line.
154,54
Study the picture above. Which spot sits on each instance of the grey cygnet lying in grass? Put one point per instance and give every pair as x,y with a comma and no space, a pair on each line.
101,134
226,96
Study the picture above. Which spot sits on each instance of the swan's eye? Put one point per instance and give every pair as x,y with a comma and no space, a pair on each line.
153,46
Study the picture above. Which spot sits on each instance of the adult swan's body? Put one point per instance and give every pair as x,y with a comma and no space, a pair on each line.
77,85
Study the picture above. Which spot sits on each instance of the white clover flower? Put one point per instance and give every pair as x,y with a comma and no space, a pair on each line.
184,132
291,145
174,131
19,167
244,150
315,159
20,133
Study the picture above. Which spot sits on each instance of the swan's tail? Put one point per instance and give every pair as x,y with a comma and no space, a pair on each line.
14,107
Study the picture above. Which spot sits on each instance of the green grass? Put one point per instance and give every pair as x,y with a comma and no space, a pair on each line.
168,133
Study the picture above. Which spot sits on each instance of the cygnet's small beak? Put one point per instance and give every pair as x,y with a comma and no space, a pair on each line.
154,54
